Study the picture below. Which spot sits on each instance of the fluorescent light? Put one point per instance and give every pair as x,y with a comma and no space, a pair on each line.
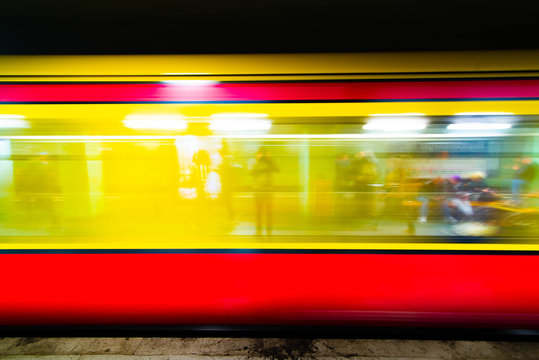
399,114
479,113
479,126
12,116
191,82
12,121
155,122
396,124
240,124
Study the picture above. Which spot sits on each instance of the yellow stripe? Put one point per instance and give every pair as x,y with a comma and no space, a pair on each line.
137,79
226,243
267,64
517,210
112,112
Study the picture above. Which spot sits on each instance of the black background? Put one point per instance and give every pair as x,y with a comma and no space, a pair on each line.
243,26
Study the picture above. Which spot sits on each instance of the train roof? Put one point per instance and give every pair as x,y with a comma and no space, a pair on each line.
407,63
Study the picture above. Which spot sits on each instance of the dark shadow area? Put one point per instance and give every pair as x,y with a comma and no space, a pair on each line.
270,331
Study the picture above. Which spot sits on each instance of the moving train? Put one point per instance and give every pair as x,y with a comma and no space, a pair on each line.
391,189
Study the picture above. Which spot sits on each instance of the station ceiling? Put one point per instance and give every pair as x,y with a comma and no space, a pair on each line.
264,26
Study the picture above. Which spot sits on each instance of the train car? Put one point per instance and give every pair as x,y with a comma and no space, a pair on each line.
392,189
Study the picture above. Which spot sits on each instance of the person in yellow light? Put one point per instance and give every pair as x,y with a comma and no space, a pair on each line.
525,172
363,172
227,171
44,189
201,162
398,190
262,172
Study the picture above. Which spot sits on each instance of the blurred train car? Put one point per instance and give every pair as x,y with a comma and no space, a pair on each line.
325,189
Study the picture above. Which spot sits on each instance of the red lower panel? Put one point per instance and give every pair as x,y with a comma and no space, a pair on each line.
320,289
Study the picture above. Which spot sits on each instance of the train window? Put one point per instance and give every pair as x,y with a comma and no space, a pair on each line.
325,180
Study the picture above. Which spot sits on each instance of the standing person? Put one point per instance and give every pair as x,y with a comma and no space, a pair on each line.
47,189
342,172
227,176
363,171
429,191
201,162
397,191
262,172
342,185
525,173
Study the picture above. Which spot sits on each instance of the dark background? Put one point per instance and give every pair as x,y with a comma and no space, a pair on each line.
264,26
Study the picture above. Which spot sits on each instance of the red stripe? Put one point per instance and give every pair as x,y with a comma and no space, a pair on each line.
335,91
269,289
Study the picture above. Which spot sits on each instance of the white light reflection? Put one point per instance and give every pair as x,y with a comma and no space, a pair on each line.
239,122
155,122
12,121
396,124
240,125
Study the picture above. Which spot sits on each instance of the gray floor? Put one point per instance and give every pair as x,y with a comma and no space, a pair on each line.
276,349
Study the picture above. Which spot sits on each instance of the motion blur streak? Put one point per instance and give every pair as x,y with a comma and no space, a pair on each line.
368,189
175,177
310,289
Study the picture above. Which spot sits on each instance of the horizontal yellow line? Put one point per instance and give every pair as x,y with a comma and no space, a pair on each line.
151,243
111,113
270,63
139,79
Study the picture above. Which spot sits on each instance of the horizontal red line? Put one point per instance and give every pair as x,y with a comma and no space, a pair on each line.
332,91
324,289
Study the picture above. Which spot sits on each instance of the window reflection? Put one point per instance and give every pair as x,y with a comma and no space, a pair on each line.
297,180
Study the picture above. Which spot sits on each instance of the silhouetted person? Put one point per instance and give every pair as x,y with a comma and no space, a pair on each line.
342,172
46,188
342,185
201,161
227,176
397,191
363,171
263,170
430,191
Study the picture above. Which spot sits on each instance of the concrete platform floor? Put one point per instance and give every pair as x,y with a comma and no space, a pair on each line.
244,348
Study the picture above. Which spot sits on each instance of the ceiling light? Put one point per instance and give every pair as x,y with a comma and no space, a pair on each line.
240,124
396,124
11,121
155,122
